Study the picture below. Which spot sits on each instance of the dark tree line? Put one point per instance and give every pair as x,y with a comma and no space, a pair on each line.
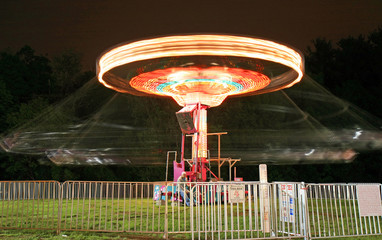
28,84
350,69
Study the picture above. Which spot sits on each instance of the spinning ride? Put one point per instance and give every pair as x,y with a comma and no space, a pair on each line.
199,72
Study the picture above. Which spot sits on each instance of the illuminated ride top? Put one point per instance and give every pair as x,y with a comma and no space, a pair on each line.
198,72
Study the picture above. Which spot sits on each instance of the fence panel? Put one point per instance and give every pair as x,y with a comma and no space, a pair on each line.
234,210
334,212
29,204
111,207
247,210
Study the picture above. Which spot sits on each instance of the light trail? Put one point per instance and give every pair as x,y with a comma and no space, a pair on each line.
184,82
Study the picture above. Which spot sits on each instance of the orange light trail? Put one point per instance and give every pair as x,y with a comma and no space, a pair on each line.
187,84
209,86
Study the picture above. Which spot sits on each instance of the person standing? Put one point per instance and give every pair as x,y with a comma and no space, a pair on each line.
183,191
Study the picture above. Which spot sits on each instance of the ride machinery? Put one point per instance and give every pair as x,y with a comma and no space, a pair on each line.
199,72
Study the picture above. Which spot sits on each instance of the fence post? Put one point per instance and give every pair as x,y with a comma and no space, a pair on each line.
304,207
166,214
192,212
60,189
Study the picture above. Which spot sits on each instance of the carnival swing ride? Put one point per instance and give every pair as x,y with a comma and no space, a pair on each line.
199,72
288,125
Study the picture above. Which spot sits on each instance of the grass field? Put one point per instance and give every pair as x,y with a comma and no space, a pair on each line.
100,216
131,215
72,235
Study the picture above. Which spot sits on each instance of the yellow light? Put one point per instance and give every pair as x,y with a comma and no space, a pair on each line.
202,45
208,86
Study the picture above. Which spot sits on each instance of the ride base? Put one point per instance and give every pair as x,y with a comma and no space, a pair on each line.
193,122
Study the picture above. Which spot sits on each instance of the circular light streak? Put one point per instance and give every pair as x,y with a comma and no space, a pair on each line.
209,84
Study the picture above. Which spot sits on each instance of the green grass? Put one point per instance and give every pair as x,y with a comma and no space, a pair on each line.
338,217
72,235
84,219
142,215
111,215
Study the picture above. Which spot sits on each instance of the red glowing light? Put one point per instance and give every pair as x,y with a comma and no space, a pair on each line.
209,86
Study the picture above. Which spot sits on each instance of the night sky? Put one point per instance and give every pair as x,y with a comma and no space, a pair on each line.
92,26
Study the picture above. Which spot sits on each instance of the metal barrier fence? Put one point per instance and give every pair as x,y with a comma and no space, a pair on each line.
143,208
29,204
334,211
237,211
110,207
223,210
248,210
